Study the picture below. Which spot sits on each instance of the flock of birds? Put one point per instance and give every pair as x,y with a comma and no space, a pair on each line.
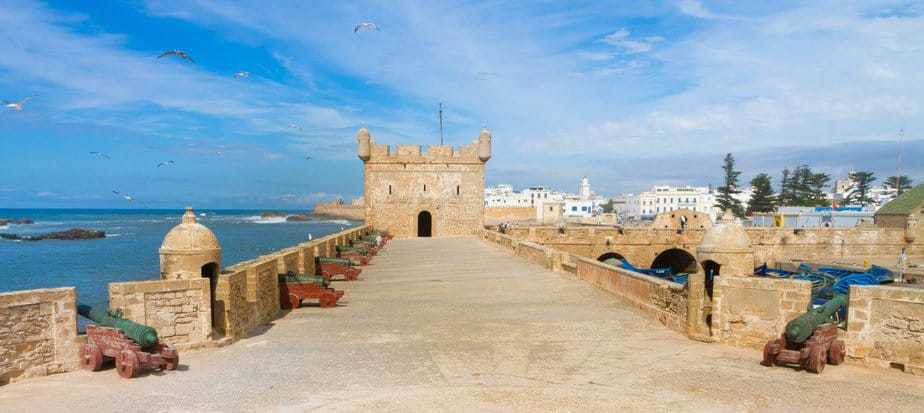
180,54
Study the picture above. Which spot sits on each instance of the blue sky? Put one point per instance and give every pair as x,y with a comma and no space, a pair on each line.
629,93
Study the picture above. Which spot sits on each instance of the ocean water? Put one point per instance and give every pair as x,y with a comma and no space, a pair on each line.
129,251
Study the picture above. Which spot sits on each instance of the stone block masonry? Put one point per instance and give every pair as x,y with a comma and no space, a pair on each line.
180,310
748,312
38,331
234,315
885,327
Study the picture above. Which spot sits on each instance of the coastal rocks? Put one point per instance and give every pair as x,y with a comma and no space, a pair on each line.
272,214
69,235
298,218
24,221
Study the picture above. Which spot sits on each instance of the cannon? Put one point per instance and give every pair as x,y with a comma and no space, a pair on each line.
356,254
329,267
133,346
370,246
294,288
810,340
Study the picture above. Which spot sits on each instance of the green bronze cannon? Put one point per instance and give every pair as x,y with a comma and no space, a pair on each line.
133,346
293,288
329,267
143,335
810,340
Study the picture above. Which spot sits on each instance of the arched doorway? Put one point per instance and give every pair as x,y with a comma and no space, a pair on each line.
612,258
424,224
210,271
678,260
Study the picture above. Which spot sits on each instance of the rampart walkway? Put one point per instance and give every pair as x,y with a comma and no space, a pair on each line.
457,324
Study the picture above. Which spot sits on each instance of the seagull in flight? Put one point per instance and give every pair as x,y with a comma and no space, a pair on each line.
100,154
17,106
165,163
294,126
365,26
178,53
307,157
241,75
127,197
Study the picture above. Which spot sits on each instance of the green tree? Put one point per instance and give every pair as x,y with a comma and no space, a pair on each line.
902,183
726,200
762,199
607,206
861,183
803,187
787,189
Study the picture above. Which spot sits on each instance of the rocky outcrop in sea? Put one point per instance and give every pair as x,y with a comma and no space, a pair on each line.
69,235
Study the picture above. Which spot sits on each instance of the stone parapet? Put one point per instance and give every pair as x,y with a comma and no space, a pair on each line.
885,327
748,311
38,332
180,310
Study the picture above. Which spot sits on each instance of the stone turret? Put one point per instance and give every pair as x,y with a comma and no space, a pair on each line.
728,245
189,251
484,145
363,144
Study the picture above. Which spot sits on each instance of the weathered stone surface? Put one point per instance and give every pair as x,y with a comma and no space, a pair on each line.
885,327
38,330
179,310
446,182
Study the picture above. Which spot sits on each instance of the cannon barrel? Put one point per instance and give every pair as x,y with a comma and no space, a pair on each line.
292,277
800,328
344,248
335,260
144,335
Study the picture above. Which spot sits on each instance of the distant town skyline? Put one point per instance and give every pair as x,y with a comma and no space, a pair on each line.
264,112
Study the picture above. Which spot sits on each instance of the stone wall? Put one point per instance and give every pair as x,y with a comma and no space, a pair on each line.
234,315
509,214
337,208
38,332
263,290
885,327
749,311
447,182
180,310
771,245
664,300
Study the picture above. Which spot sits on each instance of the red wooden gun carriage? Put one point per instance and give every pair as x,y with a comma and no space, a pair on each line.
294,288
105,343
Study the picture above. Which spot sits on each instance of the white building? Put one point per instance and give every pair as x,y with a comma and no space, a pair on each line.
504,196
666,198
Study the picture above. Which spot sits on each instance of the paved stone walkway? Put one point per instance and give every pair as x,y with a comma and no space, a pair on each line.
456,324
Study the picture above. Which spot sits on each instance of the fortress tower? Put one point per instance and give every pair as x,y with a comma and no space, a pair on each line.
415,194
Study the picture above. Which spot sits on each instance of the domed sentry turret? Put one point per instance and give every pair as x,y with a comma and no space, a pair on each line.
189,251
484,145
363,144
727,245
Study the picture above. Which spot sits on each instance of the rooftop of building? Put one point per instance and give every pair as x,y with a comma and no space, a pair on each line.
905,203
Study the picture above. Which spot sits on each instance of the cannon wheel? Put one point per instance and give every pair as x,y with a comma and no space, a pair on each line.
294,301
92,357
327,300
816,360
837,352
171,363
771,349
127,364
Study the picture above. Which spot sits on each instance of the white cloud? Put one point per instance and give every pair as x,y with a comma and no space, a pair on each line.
621,39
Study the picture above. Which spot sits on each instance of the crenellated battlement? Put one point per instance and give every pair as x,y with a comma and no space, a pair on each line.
385,153
477,152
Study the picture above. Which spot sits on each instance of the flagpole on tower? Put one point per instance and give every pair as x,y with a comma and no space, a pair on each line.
441,123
